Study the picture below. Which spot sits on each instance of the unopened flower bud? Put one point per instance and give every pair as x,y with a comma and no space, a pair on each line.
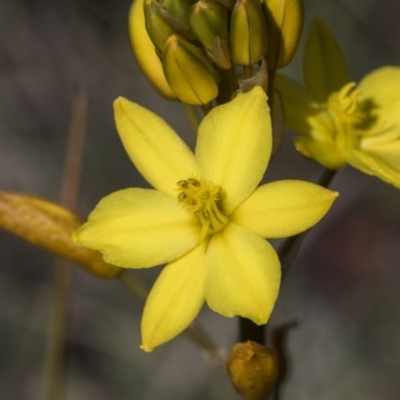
157,27
209,23
284,24
248,32
177,14
50,226
228,4
144,50
253,370
188,71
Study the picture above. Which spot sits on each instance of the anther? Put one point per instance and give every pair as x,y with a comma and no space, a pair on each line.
182,196
183,184
194,182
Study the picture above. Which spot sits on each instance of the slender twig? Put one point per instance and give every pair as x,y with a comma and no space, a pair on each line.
55,352
194,332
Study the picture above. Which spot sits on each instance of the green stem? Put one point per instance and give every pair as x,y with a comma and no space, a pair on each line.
226,86
192,116
271,89
248,330
206,108
326,177
247,71
133,284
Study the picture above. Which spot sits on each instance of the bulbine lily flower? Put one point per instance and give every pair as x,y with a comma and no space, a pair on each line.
341,122
206,219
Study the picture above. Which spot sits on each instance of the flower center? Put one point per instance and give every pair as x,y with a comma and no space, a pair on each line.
201,198
345,104
354,120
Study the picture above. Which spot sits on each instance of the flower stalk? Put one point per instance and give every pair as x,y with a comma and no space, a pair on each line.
55,352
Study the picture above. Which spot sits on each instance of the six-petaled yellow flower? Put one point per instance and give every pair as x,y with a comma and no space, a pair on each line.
340,122
206,219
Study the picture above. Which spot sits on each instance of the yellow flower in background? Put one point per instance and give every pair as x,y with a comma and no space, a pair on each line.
341,122
206,218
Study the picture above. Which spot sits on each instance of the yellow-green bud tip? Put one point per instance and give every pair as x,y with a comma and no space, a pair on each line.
284,23
248,32
188,71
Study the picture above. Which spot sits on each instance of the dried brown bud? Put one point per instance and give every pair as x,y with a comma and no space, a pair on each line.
252,369
50,226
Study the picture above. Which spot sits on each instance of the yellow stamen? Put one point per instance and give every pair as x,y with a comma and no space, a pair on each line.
201,198
355,123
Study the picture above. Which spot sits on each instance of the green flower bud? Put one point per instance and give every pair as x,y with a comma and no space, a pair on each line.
145,52
157,27
188,71
177,14
228,4
248,39
284,23
209,23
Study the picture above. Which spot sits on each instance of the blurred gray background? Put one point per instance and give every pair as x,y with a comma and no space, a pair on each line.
343,290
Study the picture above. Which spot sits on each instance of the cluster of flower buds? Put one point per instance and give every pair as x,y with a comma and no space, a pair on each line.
184,46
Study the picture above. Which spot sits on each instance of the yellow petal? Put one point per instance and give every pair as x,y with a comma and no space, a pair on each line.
139,228
145,51
324,66
387,169
297,102
326,153
234,146
381,88
243,274
175,299
157,151
284,208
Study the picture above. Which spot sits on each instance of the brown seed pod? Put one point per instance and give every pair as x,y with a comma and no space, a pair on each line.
252,369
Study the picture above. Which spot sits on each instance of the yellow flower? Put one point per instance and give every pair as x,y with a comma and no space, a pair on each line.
206,217
340,122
